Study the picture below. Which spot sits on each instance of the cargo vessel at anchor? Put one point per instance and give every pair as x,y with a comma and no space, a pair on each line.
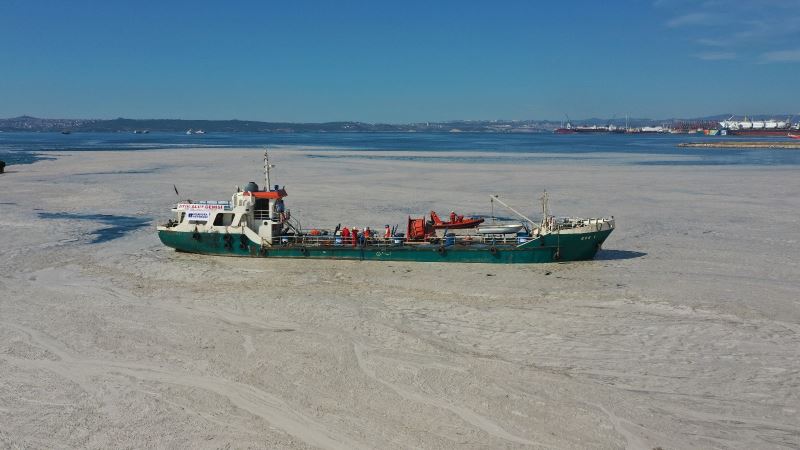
256,223
748,127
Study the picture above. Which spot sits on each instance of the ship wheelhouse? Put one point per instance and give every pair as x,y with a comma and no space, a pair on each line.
261,215
268,215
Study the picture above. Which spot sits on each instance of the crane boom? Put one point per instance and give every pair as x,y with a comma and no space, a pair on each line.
496,197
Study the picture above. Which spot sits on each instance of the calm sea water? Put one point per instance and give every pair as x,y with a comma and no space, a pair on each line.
23,148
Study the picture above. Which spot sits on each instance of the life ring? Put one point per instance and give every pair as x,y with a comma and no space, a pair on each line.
304,251
493,250
196,236
441,250
263,251
228,239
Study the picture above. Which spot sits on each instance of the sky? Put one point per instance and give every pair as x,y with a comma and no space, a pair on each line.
398,62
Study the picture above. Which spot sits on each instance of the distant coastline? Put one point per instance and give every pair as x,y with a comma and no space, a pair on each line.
123,125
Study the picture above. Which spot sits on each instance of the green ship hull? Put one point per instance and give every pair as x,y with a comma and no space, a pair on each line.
554,247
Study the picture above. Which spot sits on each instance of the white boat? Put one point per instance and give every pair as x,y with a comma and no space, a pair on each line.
189,131
199,132
500,228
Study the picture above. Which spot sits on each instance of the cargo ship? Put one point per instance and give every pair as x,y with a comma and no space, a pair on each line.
749,127
571,129
256,223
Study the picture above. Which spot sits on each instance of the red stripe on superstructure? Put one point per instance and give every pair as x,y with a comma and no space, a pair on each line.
268,194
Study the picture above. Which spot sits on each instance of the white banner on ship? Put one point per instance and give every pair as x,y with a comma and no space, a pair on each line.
200,206
198,215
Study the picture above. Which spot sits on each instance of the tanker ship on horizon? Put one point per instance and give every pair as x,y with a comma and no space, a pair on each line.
571,129
749,127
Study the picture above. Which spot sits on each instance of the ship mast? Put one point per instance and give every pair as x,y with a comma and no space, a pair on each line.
545,199
267,166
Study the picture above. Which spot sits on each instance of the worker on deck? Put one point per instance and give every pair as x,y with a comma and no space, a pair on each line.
345,235
387,233
452,216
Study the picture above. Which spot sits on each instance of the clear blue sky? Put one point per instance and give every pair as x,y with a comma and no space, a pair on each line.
398,61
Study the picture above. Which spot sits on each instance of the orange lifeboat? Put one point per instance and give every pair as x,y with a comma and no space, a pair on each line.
456,222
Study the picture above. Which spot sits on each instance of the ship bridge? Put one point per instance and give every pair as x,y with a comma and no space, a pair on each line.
268,215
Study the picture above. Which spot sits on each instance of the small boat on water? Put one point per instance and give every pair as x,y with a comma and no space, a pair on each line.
456,222
256,223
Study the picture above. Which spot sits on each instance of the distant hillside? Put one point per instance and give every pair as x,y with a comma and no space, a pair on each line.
27,123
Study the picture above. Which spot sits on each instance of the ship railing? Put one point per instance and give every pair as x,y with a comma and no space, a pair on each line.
261,214
292,221
575,222
330,240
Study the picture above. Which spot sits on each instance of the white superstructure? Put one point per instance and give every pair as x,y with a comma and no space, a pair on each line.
747,124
